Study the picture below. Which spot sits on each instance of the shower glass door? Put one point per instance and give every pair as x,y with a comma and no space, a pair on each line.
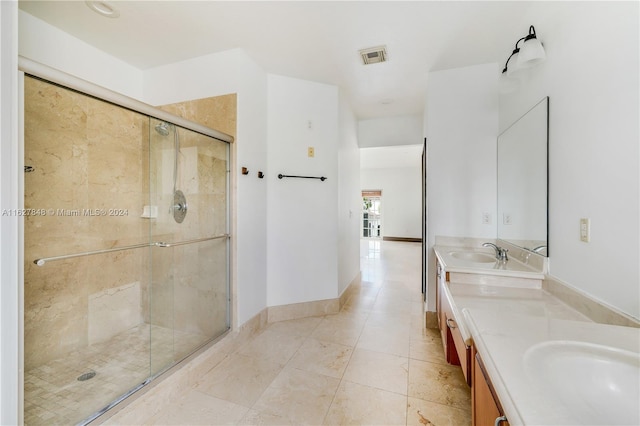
125,248
188,224
86,253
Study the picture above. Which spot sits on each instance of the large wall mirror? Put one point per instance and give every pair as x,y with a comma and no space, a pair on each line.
522,180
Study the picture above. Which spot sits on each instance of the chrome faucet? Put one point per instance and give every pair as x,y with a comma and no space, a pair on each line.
501,253
539,249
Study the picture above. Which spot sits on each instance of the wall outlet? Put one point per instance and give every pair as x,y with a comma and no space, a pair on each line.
486,218
311,152
506,219
585,229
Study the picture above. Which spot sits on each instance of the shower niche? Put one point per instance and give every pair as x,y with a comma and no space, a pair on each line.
126,253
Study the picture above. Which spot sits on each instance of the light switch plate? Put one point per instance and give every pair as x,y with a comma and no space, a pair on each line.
486,218
311,152
585,229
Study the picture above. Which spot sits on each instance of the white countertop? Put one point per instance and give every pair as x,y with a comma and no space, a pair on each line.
503,341
510,268
507,324
507,301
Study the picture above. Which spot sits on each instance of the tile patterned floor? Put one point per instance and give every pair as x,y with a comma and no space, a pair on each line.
54,396
371,364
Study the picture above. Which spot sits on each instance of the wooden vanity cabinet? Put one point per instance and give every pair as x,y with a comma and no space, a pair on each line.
440,277
485,405
463,351
455,350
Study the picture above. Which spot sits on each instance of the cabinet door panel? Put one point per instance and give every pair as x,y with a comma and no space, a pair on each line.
462,350
484,404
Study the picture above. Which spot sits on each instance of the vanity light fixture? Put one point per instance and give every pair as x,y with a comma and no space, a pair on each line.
532,52
528,55
103,8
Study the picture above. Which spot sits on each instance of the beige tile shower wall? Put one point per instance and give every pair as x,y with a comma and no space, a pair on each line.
88,157
218,112
113,310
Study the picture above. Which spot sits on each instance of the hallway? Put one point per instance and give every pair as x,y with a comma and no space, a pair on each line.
373,363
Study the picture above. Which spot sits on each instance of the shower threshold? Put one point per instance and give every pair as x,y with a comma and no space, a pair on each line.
54,395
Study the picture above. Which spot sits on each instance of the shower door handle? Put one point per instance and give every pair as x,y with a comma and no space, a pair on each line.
182,243
43,260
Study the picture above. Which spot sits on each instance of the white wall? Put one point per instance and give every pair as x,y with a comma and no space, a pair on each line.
302,246
349,198
217,74
400,207
461,122
591,77
48,45
10,198
390,131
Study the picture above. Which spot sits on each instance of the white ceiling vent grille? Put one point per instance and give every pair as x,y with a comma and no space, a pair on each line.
374,55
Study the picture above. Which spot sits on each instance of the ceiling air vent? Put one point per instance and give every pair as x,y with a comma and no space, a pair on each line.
374,55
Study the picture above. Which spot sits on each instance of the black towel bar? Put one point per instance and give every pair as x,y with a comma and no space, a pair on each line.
322,178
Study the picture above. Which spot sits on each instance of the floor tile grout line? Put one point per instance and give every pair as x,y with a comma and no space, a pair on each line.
344,371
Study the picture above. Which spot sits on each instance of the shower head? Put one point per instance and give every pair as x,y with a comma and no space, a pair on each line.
163,128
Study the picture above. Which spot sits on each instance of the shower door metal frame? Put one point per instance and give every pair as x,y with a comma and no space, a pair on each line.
227,236
60,78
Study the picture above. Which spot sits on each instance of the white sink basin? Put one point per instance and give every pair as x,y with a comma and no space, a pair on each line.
473,256
595,384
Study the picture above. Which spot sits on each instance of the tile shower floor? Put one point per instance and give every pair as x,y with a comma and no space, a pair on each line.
54,396
372,363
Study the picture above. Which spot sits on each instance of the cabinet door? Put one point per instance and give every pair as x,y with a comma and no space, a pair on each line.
462,351
444,314
485,406
439,293
439,284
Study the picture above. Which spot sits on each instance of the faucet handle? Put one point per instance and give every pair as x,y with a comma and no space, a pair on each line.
503,254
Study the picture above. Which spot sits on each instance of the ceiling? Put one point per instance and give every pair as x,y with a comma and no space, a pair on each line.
317,41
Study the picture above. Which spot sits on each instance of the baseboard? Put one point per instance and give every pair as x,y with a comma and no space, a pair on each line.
405,239
302,310
431,319
346,293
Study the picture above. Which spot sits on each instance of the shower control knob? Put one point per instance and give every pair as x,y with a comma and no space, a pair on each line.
179,206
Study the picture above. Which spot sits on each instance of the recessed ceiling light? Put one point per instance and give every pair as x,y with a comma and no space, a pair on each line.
103,8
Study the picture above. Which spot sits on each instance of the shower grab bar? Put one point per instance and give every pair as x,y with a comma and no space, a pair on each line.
43,260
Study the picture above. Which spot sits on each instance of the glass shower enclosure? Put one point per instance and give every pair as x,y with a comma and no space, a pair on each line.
126,250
